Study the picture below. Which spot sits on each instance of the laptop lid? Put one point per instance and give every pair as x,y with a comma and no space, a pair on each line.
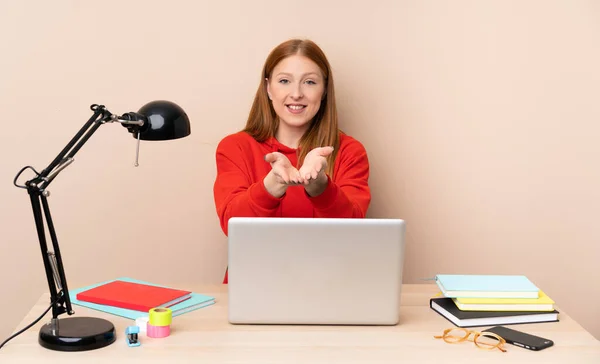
315,270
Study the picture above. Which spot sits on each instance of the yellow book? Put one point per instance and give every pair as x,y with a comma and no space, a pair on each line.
542,303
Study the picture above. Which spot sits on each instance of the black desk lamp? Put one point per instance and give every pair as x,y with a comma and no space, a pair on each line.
157,120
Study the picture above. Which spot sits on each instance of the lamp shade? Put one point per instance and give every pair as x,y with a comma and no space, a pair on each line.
165,121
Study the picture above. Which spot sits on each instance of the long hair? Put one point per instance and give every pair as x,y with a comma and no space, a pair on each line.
323,129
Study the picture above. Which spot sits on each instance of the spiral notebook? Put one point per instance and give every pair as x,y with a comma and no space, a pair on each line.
446,308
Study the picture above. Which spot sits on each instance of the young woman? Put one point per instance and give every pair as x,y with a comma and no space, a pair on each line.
291,160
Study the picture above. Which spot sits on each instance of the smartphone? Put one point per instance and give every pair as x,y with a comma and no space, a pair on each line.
521,339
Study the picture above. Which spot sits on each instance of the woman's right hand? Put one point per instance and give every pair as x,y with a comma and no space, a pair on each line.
282,174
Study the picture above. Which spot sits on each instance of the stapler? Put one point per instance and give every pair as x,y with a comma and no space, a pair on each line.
131,335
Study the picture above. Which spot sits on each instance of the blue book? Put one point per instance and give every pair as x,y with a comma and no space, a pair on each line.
195,302
490,286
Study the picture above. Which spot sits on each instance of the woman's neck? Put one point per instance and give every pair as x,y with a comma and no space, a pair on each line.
289,136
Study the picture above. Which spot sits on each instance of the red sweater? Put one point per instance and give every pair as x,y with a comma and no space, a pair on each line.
241,168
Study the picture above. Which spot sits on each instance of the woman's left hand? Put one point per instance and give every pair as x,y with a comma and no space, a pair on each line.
312,172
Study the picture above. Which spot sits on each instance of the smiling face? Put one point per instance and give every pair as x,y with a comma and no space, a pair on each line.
296,89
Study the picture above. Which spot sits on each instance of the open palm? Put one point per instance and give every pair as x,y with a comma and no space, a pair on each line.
314,165
284,171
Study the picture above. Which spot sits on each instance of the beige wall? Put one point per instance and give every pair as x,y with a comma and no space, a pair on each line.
481,119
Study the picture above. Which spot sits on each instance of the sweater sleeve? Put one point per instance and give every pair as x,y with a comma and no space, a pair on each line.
349,195
234,192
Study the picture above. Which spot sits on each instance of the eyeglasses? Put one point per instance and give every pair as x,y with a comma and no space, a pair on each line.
483,340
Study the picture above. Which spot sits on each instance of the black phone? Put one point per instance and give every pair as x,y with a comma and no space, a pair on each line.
521,339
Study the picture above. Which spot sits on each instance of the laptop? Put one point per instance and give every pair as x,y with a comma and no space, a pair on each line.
319,271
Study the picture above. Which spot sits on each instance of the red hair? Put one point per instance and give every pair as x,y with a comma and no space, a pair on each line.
323,130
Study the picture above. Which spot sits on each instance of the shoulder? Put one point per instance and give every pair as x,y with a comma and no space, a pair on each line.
351,146
236,141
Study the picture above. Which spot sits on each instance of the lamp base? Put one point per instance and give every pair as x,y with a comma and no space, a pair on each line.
77,334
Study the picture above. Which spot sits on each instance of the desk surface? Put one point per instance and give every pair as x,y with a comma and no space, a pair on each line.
205,336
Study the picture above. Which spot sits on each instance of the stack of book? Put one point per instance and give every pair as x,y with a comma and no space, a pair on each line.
483,300
132,298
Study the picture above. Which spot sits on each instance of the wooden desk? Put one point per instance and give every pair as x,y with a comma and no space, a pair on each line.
205,336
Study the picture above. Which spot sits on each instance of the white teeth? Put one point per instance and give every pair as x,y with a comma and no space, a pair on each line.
296,107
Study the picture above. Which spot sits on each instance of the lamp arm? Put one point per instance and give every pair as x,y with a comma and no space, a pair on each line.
99,110
37,189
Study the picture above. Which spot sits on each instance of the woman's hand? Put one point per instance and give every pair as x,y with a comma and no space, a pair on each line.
312,172
282,174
